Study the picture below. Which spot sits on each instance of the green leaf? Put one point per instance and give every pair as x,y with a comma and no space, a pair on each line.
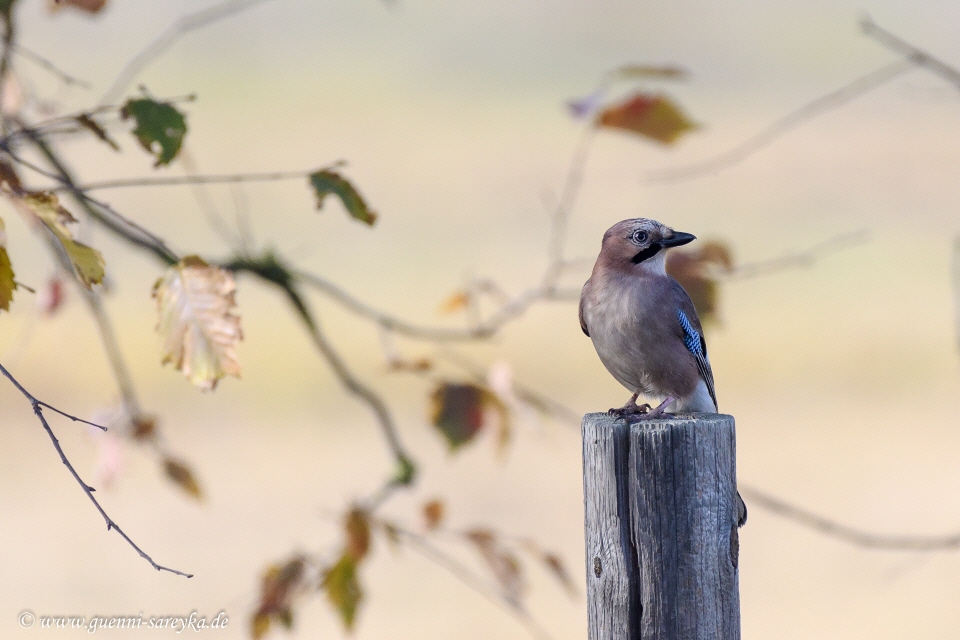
328,182
343,589
655,117
7,283
87,262
160,127
5,7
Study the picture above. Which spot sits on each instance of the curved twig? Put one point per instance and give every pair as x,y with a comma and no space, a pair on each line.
87,489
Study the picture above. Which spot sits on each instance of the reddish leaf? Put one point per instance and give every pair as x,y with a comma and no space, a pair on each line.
89,6
697,271
51,297
504,565
458,412
343,589
279,586
664,72
652,116
357,530
433,513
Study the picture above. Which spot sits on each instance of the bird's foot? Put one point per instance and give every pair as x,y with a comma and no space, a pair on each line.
630,409
656,413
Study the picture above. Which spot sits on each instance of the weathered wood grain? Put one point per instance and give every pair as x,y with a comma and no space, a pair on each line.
660,528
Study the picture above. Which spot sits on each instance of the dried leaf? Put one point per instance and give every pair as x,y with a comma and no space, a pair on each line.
160,127
7,283
433,512
328,182
556,567
417,365
181,475
459,300
697,271
90,6
279,586
504,564
652,116
88,123
9,180
343,589
87,262
143,427
357,530
458,411
199,331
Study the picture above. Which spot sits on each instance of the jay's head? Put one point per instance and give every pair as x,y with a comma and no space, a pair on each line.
640,243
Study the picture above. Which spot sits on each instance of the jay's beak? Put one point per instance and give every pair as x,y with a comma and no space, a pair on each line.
678,238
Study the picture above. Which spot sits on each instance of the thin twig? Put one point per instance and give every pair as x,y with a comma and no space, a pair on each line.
36,58
801,259
180,27
912,53
843,532
956,286
471,580
87,489
791,121
198,179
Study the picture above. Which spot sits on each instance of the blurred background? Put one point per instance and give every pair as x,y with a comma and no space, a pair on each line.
842,376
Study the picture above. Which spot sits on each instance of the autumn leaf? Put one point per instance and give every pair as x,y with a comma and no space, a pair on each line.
143,427
9,180
459,411
87,262
328,182
181,475
160,127
433,514
502,563
91,125
342,588
655,117
89,6
51,297
200,333
357,529
7,283
697,271
279,586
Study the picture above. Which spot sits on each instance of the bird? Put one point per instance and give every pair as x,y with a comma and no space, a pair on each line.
644,326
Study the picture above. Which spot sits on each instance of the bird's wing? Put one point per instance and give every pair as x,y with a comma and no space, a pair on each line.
693,339
583,297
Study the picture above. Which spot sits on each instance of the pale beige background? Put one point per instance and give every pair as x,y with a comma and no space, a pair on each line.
843,377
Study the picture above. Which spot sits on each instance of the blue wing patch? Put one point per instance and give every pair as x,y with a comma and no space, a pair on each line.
690,336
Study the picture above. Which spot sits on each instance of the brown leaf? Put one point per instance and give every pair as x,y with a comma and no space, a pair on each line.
181,475
556,567
417,365
197,325
665,72
697,271
343,589
504,564
433,513
278,588
356,527
89,6
144,427
91,125
652,116
9,180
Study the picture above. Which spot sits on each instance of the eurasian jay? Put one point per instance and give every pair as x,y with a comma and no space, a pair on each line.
644,326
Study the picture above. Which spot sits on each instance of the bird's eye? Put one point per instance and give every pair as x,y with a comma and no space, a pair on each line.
639,237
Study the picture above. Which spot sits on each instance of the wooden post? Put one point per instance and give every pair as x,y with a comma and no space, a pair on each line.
661,528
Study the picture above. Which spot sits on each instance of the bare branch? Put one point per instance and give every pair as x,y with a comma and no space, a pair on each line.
801,259
784,125
913,54
843,532
36,58
197,179
956,286
87,489
180,27
470,579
